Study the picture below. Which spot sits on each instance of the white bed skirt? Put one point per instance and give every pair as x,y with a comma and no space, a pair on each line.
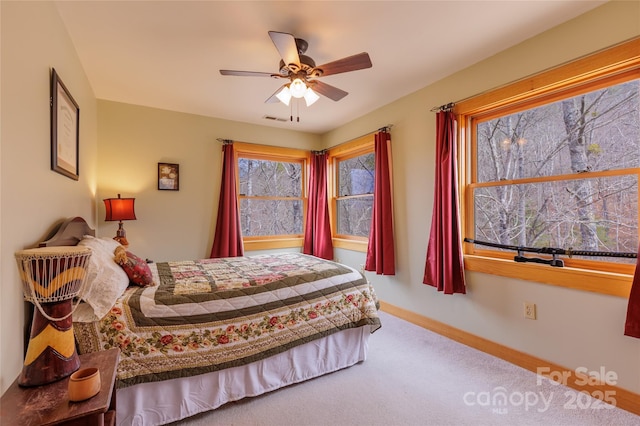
163,402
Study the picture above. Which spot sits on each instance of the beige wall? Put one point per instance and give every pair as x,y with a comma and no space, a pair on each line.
133,139
33,197
574,328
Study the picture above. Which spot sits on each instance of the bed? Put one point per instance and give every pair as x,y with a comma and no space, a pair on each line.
197,334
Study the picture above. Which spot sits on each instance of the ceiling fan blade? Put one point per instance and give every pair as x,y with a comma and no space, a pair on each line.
350,63
248,73
273,99
286,45
327,90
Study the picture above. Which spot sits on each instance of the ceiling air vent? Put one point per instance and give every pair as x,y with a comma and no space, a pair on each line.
269,117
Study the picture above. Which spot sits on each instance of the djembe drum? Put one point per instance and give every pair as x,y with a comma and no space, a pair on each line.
52,277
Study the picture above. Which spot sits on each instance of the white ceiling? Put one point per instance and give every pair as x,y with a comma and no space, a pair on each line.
167,54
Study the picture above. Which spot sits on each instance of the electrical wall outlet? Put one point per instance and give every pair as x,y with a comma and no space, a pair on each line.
530,310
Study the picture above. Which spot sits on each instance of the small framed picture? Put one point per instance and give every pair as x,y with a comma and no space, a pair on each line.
168,176
65,126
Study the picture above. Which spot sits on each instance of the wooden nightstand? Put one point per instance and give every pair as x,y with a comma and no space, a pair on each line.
49,404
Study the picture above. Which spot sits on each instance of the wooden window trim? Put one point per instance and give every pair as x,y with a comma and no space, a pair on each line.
619,58
593,71
354,148
271,243
273,153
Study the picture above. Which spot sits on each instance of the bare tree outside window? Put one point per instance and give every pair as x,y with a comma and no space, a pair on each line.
564,174
354,203
271,200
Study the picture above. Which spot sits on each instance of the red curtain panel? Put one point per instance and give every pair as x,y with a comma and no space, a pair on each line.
381,249
227,240
444,267
632,325
317,232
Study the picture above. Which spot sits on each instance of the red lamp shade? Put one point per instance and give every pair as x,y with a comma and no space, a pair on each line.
120,209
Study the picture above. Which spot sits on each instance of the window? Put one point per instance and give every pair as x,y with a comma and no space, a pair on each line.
352,178
271,188
354,201
557,168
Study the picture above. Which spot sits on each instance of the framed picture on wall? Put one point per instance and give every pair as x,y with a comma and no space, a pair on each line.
65,126
168,176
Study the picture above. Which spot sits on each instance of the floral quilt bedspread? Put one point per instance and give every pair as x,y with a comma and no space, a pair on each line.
211,314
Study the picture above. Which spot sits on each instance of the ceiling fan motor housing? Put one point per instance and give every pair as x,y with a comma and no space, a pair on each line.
306,64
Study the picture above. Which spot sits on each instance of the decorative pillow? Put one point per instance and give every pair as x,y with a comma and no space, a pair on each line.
136,269
106,281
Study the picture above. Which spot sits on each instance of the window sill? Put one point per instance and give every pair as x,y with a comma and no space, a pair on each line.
610,283
272,244
350,244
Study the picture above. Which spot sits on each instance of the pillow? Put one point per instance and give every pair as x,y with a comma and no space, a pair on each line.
136,269
106,281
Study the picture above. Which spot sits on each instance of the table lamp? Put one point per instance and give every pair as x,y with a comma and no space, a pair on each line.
120,209
52,277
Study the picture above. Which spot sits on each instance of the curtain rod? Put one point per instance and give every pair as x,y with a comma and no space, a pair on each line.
526,77
445,107
381,129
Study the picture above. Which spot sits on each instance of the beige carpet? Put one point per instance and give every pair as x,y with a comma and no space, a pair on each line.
415,377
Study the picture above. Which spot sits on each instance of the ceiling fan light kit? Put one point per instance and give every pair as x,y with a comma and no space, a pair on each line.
284,95
310,96
297,88
302,72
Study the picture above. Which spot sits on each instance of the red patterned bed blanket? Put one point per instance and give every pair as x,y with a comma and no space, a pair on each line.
207,315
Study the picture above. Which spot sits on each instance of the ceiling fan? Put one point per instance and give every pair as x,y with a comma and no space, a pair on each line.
302,72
